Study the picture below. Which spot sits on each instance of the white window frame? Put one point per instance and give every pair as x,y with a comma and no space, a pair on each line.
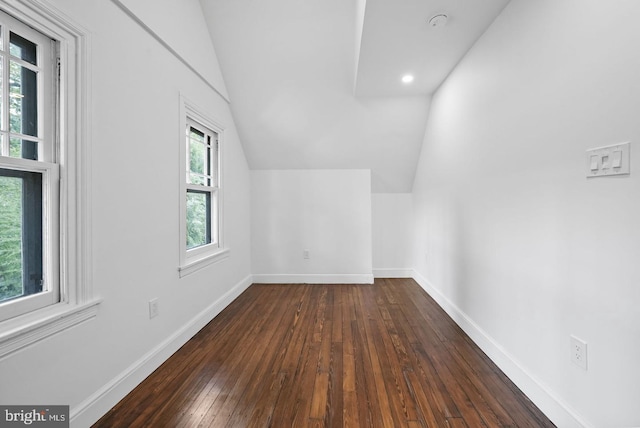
46,165
50,236
196,258
69,234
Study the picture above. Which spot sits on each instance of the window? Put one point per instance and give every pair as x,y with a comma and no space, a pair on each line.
29,170
201,195
45,243
202,186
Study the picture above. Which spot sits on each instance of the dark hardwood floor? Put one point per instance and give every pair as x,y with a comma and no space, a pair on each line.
382,355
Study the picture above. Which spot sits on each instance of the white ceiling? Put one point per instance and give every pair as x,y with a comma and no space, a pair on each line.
316,83
397,39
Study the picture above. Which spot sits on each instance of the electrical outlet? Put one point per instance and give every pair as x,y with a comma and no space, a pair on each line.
153,308
579,352
305,254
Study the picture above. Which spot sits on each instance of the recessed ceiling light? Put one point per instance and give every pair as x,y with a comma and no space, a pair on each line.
407,78
439,20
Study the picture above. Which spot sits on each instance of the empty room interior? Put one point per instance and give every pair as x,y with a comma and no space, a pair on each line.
457,163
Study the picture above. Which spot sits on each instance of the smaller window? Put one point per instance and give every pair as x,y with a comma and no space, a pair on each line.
201,193
202,186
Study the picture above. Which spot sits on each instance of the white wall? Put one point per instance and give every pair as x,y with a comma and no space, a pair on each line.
179,26
510,235
327,212
392,225
135,138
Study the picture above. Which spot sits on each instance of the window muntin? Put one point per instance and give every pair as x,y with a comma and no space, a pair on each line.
29,271
202,161
26,64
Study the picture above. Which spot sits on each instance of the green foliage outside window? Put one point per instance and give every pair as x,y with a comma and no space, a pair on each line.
10,237
198,203
11,196
197,219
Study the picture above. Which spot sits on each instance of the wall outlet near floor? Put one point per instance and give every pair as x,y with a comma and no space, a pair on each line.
153,308
579,352
305,254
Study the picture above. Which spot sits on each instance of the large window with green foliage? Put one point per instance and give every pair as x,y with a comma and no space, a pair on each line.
28,170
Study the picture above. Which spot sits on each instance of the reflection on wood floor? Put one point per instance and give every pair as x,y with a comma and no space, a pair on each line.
382,355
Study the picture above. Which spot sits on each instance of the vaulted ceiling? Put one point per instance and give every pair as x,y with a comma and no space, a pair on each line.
316,84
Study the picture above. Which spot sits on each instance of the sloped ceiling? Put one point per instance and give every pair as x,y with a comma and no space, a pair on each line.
315,84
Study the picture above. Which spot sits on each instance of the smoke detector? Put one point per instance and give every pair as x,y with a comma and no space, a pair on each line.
439,20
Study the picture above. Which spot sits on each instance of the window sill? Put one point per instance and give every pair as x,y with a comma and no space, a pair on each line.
25,330
196,264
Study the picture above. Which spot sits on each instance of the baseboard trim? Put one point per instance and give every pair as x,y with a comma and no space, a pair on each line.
313,278
556,409
91,409
393,273
94,407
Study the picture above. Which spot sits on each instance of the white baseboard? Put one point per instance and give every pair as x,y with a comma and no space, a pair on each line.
90,410
393,273
547,401
313,278
94,407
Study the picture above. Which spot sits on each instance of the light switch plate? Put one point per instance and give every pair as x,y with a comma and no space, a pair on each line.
609,160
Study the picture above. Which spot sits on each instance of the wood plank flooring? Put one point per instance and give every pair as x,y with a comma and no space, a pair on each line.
382,355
